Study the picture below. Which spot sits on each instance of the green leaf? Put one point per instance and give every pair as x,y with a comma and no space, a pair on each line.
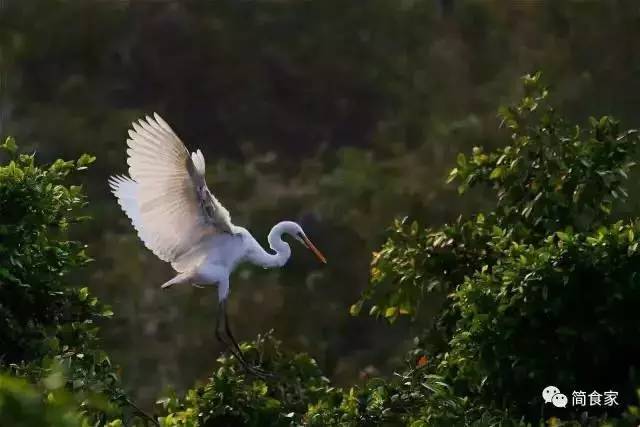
462,160
453,174
355,309
497,173
54,381
7,274
84,161
605,207
10,145
391,312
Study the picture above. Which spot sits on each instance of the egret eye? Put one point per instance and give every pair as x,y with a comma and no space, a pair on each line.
301,238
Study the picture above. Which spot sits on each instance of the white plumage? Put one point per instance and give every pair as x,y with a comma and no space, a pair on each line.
162,195
175,214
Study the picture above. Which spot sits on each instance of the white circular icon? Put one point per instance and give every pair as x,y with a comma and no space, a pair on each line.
559,400
549,392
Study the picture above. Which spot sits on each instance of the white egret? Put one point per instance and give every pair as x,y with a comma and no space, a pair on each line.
176,216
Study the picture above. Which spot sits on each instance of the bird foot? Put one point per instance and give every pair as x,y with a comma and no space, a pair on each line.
258,372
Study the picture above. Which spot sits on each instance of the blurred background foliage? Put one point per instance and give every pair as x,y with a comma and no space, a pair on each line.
341,115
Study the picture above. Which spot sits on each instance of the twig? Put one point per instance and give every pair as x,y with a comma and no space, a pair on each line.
141,412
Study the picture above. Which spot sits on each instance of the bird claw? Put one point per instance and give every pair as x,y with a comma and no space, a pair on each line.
259,372
235,349
254,369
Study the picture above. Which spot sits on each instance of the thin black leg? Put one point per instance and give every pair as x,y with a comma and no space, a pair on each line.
254,369
234,348
228,331
218,317
223,341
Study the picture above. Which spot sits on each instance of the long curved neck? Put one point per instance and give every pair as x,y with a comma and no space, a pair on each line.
281,248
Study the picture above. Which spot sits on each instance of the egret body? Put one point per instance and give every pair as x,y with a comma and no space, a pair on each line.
178,218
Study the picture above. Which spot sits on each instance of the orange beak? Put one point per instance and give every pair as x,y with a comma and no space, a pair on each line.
314,249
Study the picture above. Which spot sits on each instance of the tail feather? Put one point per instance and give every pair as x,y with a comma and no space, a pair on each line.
182,278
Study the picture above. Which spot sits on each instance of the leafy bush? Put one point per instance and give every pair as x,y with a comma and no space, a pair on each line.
21,405
232,397
542,289
39,312
47,324
298,394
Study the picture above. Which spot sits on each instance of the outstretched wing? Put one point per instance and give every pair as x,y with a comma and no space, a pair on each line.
166,196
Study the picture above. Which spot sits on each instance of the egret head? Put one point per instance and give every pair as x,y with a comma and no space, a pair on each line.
295,230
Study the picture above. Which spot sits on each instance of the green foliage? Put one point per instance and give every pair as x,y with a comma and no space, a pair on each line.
39,311
414,398
48,325
298,394
553,175
543,288
572,293
48,403
21,405
232,397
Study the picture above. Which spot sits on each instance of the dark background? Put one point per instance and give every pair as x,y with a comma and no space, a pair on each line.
340,115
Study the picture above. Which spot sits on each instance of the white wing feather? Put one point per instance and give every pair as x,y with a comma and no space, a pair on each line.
166,196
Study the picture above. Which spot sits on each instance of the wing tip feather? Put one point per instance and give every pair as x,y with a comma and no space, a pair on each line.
116,182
